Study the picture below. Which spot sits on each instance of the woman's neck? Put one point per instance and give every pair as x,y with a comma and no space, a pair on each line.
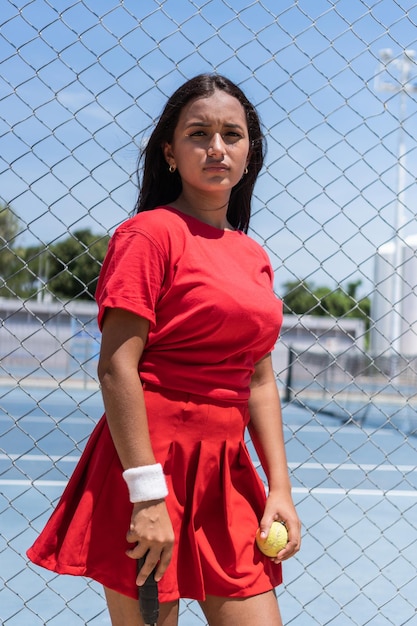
212,211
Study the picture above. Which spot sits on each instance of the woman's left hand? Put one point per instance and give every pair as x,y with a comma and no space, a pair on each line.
280,508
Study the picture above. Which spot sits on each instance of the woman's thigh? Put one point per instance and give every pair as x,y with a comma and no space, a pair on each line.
254,611
124,611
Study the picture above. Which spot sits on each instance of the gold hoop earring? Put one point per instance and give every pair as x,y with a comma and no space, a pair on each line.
245,171
172,169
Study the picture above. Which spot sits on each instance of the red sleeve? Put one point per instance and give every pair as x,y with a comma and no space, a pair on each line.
131,276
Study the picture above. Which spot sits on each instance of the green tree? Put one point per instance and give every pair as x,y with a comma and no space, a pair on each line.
9,224
298,298
12,266
304,298
68,269
36,270
72,265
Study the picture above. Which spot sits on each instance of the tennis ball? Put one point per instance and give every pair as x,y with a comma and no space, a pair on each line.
276,540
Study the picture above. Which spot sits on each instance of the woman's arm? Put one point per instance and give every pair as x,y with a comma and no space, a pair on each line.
123,340
266,430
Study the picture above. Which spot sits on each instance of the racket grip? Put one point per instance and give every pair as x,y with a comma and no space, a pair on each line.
148,598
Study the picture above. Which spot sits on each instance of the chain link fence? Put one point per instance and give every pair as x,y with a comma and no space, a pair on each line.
335,83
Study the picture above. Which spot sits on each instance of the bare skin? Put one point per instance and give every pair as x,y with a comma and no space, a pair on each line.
266,431
150,522
254,611
124,611
211,150
123,338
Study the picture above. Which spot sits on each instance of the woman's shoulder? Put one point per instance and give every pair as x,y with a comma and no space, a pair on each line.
158,228
160,225
153,221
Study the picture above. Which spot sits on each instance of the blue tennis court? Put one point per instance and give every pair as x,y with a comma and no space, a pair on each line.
355,488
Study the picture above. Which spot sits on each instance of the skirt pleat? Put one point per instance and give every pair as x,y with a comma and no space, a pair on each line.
216,500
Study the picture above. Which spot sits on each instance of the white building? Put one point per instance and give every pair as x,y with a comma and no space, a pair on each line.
41,339
395,322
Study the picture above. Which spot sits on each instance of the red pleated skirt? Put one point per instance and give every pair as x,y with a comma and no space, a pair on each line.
216,500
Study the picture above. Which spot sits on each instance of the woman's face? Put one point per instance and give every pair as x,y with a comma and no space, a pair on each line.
210,147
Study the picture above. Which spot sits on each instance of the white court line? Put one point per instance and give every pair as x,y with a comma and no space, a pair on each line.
353,467
48,419
310,465
390,493
33,483
293,428
344,429
39,457
366,467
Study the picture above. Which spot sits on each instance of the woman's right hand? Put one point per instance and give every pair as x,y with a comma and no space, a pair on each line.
151,530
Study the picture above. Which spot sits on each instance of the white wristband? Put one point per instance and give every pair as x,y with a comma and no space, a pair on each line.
146,483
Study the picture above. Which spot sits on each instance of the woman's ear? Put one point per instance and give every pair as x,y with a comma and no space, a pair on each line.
168,154
248,158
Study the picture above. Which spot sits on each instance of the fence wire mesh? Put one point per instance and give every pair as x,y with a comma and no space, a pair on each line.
335,83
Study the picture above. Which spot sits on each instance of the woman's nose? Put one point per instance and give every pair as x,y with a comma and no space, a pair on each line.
216,146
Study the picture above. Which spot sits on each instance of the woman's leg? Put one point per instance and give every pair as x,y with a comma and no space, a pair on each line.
124,611
254,611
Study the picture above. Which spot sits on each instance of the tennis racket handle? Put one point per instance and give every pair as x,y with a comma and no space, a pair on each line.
148,598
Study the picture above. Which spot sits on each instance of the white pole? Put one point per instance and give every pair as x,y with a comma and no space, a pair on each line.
402,85
399,222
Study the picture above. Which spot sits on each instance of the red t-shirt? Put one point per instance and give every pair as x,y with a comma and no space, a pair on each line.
207,294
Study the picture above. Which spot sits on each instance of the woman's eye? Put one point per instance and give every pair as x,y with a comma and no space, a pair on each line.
229,135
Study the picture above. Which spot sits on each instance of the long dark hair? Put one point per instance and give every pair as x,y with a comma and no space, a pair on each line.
160,187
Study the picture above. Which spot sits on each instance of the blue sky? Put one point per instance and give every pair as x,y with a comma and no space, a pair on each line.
82,82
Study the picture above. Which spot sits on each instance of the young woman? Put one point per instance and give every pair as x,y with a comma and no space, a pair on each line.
188,319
